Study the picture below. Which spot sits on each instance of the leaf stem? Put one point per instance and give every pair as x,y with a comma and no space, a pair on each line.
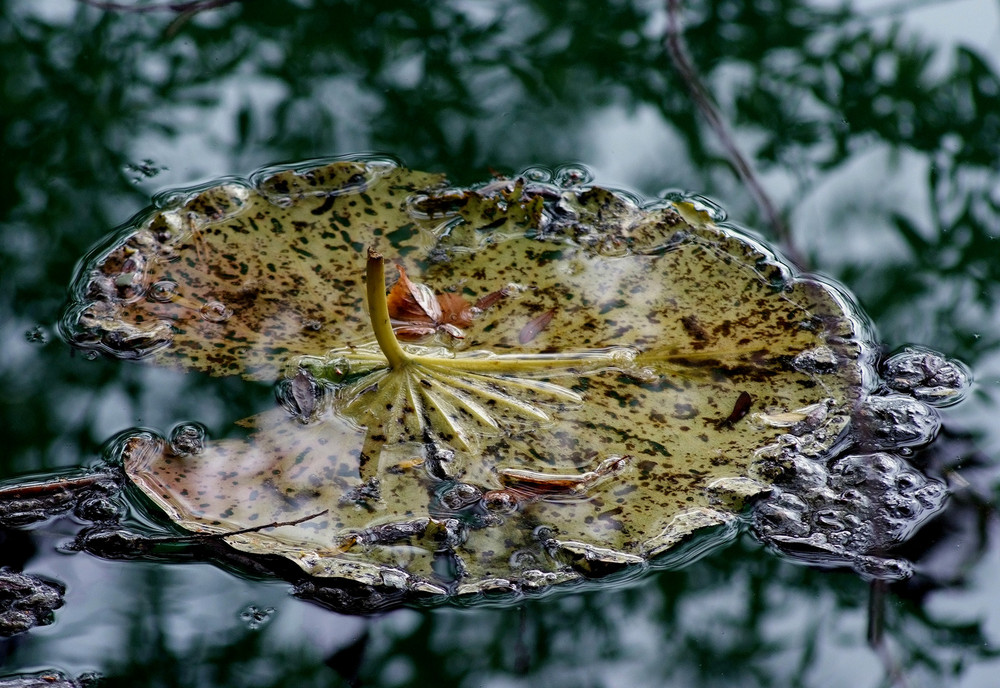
500,364
378,311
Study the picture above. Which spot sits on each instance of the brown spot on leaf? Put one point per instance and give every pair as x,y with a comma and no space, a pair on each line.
535,326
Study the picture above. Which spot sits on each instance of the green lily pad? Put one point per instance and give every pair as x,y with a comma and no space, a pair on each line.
561,383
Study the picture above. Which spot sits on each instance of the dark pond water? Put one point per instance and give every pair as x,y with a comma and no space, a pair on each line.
875,131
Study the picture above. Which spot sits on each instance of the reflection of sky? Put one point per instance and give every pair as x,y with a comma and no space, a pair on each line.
631,148
947,21
196,607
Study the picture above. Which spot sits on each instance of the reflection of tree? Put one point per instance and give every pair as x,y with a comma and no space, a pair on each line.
464,87
155,652
182,8
718,622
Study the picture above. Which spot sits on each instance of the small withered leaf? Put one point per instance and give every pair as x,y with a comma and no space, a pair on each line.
416,311
413,302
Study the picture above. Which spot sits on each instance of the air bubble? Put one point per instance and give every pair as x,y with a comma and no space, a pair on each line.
163,291
570,176
853,496
215,311
538,174
907,481
542,533
187,439
523,559
460,496
88,319
500,501
707,205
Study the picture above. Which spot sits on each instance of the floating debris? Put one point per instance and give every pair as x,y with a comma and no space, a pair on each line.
927,376
851,511
26,601
37,335
51,679
255,617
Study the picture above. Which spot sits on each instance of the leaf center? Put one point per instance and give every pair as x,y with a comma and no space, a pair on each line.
406,391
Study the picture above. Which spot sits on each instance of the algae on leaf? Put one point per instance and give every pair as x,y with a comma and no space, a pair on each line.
559,384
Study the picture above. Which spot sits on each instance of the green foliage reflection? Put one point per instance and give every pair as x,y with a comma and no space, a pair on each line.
87,97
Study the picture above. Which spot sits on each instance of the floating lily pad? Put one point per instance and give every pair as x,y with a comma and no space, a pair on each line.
485,389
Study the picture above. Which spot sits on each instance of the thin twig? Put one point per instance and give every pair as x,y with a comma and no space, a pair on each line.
180,7
213,536
876,633
677,51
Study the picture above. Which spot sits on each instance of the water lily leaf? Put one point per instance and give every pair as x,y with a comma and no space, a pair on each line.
560,383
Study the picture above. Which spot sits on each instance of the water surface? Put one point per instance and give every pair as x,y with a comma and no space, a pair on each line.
874,130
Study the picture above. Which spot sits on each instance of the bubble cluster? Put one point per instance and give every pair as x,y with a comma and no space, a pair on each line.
187,439
927,376
848,512
895,421
853,507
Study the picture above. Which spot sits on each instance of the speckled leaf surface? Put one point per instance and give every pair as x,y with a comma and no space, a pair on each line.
625,379
239,278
